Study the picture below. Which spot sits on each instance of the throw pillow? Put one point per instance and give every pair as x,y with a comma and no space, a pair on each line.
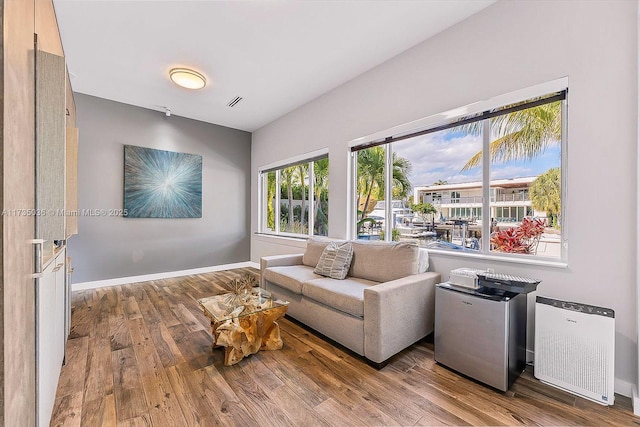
335,260
423,260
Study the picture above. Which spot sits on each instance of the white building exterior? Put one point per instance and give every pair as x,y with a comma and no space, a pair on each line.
510,200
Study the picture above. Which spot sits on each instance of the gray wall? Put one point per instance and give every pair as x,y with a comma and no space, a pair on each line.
111,247
508,46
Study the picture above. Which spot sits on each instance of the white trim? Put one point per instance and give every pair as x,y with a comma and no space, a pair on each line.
157,276
564,180
311,200
485,238
388,194
623,387
474,108
352,208
277,207
636,389
300,158
262,191
297,242
530,356
490,257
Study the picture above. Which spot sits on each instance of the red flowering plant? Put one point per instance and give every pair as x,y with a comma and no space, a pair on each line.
522,239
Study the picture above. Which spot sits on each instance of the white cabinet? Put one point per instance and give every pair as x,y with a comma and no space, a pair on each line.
50,333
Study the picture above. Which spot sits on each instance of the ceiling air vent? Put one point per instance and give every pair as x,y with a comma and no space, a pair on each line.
234,101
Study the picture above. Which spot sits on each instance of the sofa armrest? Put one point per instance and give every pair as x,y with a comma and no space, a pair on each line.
278,261
397,314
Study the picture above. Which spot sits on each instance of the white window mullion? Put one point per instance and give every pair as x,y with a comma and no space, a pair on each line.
486,185
388,194
276,209
262,203
564,155
353,196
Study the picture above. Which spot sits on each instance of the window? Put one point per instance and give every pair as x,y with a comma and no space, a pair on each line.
371,196
294,198
505,161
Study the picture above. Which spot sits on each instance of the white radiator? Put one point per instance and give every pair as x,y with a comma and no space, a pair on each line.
574,348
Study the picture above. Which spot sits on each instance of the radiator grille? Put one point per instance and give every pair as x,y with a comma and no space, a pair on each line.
573,360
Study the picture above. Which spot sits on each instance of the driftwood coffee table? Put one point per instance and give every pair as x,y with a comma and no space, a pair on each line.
244,324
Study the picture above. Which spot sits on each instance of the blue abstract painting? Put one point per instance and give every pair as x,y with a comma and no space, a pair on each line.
161,184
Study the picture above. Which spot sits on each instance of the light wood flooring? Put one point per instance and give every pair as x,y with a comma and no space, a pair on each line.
140,355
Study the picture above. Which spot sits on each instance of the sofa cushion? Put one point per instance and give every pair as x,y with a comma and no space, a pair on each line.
345,295
384,261
335,260
290,277
315,246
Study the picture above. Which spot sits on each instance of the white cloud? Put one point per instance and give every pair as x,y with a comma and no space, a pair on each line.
442,155
514,171
439,156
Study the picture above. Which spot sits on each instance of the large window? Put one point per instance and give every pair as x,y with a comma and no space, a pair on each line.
487,183
294,198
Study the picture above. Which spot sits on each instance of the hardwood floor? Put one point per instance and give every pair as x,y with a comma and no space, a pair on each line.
140,355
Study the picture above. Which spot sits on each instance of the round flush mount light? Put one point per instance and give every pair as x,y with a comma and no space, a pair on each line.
187,78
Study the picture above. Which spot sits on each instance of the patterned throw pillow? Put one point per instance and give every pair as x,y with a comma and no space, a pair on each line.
335,260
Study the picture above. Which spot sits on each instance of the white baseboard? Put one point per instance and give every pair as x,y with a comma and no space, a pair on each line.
624,388
529,356
157,276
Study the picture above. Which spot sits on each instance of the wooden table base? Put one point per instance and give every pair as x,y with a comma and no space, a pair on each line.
248,334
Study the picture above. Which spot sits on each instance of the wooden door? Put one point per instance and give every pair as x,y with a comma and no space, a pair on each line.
50,148
71,176
17,342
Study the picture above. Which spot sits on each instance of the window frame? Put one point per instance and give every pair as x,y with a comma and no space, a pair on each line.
448,117
309,158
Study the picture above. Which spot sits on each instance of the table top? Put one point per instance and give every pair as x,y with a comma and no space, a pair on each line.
231,306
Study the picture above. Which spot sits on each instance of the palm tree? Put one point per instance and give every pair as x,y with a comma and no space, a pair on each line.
271,193
371,165
523,134
441,182
545,194
371,162
401,171
301,172
286,175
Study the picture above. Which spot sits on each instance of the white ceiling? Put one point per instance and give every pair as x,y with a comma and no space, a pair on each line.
276,55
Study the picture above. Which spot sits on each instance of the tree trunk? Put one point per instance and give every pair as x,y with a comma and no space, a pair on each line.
366,202
316,207
301,169
290,195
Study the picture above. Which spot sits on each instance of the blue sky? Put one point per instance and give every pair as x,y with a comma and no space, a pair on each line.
441,156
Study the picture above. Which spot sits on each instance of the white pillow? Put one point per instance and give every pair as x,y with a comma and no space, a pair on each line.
423,260
335,260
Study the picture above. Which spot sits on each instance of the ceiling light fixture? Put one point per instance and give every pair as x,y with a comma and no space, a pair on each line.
187,78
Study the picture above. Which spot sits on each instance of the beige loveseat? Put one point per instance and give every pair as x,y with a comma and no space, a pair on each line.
384,305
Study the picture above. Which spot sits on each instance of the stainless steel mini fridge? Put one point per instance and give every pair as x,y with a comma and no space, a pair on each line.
481,333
